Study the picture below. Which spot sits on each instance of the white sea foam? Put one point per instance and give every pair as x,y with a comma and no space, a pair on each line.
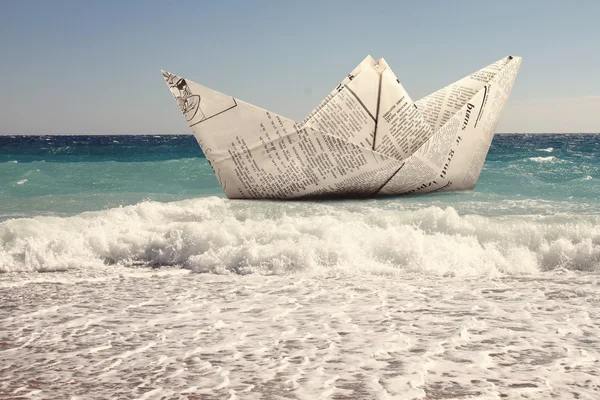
544,159
547,150
22,181
244,237
176,336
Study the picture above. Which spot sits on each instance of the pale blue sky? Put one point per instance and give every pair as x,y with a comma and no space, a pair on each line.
93,67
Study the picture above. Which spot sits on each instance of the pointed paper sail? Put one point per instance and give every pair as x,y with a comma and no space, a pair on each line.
366,138
349,111
196,102
401,129
477,134
440,106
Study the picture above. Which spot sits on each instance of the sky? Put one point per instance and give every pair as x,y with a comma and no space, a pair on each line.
93,67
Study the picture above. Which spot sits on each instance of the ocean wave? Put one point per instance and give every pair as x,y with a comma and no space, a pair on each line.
216,235
547,150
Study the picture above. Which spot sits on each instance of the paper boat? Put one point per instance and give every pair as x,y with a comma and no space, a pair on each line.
367,138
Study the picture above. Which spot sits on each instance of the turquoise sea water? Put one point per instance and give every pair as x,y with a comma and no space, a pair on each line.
63,175
537,193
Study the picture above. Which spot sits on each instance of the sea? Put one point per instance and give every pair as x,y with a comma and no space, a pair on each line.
126,273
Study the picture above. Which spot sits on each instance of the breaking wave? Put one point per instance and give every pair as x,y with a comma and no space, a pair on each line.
216,235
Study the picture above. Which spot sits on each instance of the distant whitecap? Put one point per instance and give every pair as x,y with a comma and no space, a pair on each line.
543,159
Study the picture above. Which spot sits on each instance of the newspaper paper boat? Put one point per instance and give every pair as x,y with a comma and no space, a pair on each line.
367,138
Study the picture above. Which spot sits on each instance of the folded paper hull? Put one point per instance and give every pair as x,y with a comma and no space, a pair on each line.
367,138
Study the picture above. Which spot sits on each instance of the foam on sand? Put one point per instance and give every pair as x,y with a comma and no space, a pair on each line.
174,335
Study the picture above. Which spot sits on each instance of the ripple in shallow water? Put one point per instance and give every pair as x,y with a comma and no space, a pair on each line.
173,334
